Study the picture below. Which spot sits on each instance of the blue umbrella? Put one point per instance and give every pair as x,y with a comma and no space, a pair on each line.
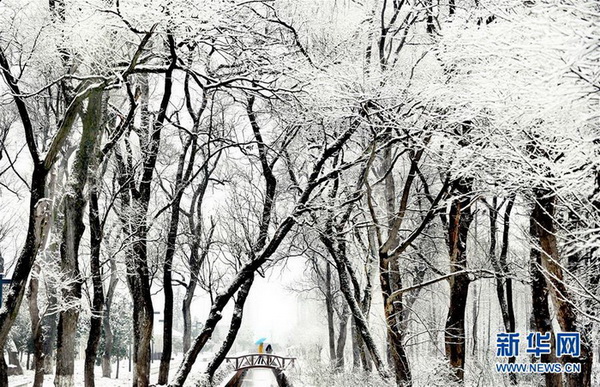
261,340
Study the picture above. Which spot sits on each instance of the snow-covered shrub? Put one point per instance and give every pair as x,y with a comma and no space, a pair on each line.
318,375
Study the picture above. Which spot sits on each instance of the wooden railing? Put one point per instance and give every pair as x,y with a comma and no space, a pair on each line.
261,360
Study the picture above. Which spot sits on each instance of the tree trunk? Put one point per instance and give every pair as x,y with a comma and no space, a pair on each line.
356,361
234,327
459,221
330,313
13,359
341,342
367,296
91,349
135,202
348,292
543,215
39,206
108,336
389,270
180,184
539,300
36,222
138,280
36,329
25,262
73,228
51,324
510,312
187,314
503,284
475,313
196,261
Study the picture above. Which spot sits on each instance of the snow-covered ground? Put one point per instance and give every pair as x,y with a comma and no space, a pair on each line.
123,380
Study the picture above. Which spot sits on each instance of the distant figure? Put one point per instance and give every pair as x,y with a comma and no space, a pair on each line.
269,349
261,348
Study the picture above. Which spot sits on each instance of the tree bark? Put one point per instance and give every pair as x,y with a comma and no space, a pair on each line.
390,277
35,226
341,342
543,215
187,314
91,349
459,221
234,327
330,313
73,228
36,329
24,263
389,272
503,282
51,325
106,326
37,222
356,350
539,300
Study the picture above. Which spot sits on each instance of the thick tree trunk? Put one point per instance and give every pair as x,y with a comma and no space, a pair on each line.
390,277
393,309
511,326
36,329
341,341
539,300
371,266
165,359
13,360
138,280
91,349
187,314
39,206
459,221
51,325
543,215
73,228
356,362
14,296
510,312
234,327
